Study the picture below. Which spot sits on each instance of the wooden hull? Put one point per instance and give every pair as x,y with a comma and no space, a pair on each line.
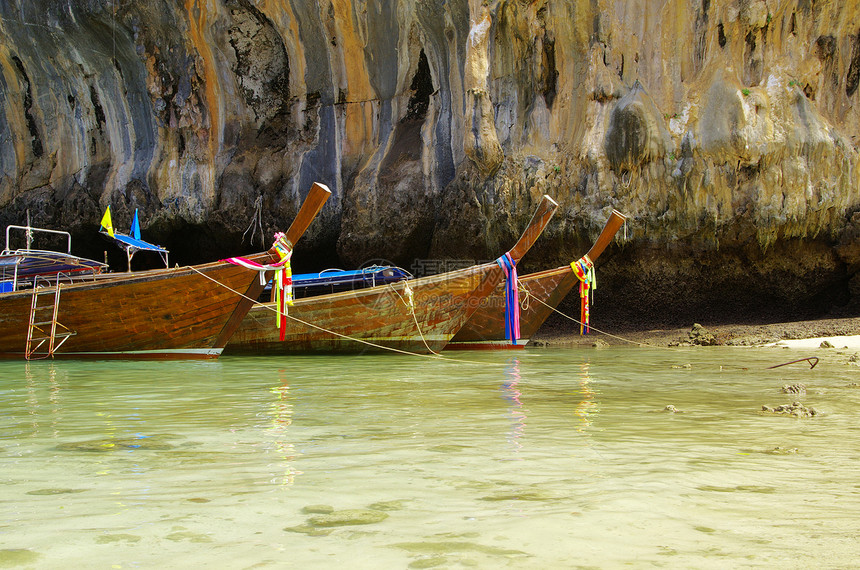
540,293
371,319
162,314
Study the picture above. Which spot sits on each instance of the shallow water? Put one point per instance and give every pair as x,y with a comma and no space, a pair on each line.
549,458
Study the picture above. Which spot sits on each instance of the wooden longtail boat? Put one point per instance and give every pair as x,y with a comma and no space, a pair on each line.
185,312
540,294
418,315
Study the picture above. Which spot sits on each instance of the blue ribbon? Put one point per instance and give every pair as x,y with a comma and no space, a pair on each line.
512,301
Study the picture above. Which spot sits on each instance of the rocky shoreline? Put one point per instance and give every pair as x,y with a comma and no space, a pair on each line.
847,330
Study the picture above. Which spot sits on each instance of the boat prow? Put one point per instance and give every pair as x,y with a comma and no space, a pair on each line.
541,293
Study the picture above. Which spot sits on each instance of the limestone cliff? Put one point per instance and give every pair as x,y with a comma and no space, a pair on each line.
726,130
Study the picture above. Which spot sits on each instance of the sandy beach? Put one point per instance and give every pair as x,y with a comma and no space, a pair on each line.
851,342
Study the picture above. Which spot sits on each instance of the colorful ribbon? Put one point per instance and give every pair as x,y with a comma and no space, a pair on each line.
512,300
584,271
282,288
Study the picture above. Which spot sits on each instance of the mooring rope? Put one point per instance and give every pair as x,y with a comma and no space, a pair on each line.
808,359
434,355
525,300
411,304
590,328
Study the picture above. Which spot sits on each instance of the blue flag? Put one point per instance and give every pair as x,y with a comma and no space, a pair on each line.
135,226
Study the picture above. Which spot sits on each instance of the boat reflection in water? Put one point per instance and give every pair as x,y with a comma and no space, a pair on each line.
281,412
511,392
587,407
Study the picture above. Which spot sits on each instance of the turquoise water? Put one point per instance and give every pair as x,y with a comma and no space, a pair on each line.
549,458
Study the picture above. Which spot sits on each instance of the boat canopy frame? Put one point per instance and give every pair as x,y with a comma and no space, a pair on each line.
132,245
20,267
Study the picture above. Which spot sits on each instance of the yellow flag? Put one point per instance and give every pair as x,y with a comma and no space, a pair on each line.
106,222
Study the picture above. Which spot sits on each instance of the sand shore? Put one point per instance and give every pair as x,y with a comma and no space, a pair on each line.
841,333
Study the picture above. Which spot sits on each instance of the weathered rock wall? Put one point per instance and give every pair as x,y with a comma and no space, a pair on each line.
726,130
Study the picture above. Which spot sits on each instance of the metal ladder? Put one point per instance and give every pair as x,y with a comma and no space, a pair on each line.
41,316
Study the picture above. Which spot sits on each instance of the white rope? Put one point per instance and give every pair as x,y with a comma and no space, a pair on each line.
525,299
256,222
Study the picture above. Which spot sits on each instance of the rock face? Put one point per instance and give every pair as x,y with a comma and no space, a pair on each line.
726,131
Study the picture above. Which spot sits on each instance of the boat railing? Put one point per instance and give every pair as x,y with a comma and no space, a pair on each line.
61,277
45,281
22,269
30,230
14,283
